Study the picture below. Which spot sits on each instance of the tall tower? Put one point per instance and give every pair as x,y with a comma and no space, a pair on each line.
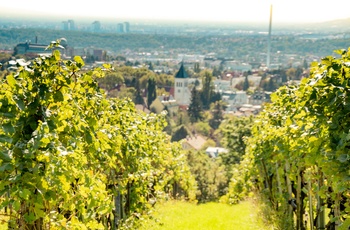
127,27
120,28
182,93
71,24
65,25
269,41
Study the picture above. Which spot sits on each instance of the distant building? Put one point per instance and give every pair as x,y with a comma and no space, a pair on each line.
96,26
71,24
98,54
68,25
215,151
222,85
33,48
195,142
120,28
167,103
127,27
237,66
78,51
234,100
255,80
183,86
65,25
259,98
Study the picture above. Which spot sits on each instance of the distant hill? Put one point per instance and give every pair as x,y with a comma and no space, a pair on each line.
338,25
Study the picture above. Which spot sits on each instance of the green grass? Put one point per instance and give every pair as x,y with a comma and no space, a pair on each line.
186,216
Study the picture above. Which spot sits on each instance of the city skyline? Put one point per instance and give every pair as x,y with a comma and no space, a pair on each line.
285,11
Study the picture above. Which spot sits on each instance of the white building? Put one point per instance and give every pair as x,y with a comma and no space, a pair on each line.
237,66
183,86
215,151
222,85
234,100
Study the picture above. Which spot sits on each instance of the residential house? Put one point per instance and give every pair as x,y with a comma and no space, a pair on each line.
237,66
162,103
259,97
234,100
195,142
222,85
215,151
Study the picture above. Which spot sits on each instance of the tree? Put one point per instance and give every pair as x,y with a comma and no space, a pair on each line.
195,107
196,68
150,66
216,72
207,90
151,91
209,175
111,80
305,64
217,112
291,74
180,133
138,94
235,131
245,84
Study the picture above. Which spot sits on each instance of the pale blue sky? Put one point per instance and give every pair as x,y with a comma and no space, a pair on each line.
214,10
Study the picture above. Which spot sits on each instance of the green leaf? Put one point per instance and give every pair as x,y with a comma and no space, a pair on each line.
79,61
25,194
8,128
6,167
5,157
5,139
11,80
107,66
58,96
44,142
57,55
305,190
16,205
30,218
20,104
343,158
340,52
8,115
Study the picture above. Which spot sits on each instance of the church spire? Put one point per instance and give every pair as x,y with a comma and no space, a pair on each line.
182,72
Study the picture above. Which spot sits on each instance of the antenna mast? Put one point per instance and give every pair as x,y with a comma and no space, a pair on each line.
269,40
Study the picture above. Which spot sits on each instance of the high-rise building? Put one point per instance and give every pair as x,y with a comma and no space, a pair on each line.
65,25
96,26
126,27
71,24
68,25
120,28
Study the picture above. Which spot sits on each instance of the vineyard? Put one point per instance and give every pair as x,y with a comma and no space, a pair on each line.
298,154
71,158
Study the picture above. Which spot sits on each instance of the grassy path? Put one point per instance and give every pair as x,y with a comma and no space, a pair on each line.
214,216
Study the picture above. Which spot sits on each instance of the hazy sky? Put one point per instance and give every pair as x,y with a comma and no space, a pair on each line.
214,10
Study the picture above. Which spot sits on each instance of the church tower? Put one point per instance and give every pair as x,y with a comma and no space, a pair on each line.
182,92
